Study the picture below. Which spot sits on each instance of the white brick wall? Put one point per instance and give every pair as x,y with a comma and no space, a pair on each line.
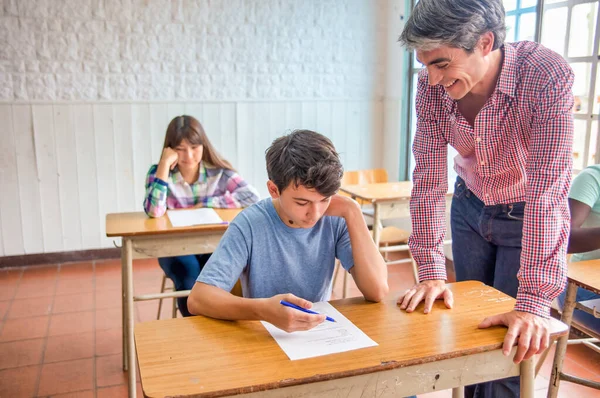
132,50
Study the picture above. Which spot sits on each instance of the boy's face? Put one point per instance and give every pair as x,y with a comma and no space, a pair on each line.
299,207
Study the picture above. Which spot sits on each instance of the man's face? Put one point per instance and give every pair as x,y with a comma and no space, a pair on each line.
454,69
300,205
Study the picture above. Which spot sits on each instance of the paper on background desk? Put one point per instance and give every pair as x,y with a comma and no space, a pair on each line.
186,218
327,338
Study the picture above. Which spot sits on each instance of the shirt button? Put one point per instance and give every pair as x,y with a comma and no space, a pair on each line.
487,195
482,163
478,139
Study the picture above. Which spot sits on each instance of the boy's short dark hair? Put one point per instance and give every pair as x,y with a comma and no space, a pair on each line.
306,158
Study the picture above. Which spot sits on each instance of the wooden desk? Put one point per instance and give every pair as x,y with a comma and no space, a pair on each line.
584,274
417,353
144,237
389,199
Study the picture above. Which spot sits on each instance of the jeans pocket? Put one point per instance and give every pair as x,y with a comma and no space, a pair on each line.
459,189
516,211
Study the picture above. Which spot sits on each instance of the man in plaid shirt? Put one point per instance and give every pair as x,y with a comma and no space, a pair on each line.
506,108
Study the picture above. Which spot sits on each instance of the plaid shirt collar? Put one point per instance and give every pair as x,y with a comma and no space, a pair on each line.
177,178
507,82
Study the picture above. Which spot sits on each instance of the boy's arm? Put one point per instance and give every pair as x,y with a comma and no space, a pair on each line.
215,302
369,271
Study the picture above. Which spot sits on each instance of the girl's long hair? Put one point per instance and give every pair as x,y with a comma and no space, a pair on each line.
189,128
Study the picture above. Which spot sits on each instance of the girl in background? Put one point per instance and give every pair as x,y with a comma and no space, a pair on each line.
191,173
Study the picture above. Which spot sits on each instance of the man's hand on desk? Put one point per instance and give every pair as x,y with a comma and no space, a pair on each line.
430,290
289,319
532,332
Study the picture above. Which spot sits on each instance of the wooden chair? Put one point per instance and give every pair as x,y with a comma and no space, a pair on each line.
390,236
586,275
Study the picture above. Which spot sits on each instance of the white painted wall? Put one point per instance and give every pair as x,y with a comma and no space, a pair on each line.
87,88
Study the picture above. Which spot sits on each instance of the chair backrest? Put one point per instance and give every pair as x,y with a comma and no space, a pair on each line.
367,176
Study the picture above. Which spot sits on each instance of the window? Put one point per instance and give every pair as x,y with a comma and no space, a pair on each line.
568,27
577,42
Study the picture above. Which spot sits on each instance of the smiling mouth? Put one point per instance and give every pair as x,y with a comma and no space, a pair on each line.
448,85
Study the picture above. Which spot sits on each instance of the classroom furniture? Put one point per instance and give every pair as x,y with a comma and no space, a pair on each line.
389,237
584,274
143,237
416,353
389,200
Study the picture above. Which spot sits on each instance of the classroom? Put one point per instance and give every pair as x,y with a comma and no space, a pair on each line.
357,198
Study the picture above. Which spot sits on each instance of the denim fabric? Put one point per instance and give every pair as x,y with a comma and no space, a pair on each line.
183,271
486,246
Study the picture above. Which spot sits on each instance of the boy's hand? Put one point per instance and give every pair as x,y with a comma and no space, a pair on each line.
290,319
341,206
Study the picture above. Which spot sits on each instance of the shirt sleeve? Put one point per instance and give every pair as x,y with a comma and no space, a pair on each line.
585,187
226,264
430,184
343,247
155,202
237,193
546,224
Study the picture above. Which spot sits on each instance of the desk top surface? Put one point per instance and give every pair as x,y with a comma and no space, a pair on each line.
138,224
586,274
380,191
202,356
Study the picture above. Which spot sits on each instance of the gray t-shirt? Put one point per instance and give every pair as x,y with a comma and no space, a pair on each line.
271,258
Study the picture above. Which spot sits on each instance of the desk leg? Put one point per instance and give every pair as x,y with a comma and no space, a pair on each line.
376,224
124,303
561,347
128,281
528,378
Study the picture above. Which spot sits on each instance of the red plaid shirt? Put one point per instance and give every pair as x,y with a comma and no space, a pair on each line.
520,149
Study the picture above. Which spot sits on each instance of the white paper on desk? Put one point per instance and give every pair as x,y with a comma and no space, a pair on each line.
186,218
327,338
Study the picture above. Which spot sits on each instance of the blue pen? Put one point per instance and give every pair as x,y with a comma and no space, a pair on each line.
287,304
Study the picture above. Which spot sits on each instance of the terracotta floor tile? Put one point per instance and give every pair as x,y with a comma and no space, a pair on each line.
73,303
40,273
73,286
4,308
108,298
18,382
147,311
9,280
65,377
68,347
21,353
109,371
109,318
24,328
71,322
32,288
25,308
76,270
78,394
109,341
117,391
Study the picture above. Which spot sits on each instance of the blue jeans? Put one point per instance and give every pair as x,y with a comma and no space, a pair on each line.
486,246
183,271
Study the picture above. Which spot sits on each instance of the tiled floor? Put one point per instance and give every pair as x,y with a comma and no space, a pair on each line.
60,330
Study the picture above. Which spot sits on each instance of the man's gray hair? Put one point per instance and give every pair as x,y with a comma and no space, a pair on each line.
453,23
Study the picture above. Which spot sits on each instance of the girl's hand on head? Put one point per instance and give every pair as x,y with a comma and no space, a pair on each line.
169,158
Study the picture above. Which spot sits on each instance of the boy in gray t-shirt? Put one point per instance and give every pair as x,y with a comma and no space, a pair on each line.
284,248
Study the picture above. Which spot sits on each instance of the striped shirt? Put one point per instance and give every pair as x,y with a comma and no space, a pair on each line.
219,188
519,149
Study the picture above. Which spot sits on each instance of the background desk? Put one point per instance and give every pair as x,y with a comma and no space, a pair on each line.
417,353
389,199
144,237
